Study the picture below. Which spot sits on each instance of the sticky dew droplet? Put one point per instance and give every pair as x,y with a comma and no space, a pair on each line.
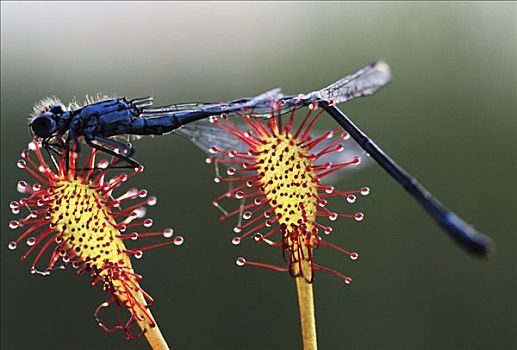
236,240
240,261
103,164
43,169
21,164
140,212
22,187
178,240
168,232
358,216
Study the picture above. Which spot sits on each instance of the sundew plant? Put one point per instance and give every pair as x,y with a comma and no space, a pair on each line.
278,176
72,217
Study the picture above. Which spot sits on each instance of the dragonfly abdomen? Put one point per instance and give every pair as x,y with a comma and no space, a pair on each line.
160,125
153,125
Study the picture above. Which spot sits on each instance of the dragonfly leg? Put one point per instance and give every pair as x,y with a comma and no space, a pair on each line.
73,139
124,149
53,149
124,153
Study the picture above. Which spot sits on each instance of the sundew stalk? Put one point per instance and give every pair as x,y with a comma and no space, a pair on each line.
281,179
76,220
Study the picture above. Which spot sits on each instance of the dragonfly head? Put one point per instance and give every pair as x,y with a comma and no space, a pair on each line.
45,123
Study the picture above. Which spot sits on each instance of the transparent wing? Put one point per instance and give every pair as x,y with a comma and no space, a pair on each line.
205,135
193,106
259,105
364,82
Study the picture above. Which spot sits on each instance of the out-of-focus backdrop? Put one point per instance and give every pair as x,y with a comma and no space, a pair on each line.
449,117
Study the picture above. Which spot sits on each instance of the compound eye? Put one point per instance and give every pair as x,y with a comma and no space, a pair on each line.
43,125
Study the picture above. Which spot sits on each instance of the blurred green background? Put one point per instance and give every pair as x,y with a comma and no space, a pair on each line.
449,117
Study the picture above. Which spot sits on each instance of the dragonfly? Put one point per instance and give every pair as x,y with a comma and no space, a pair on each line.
99,122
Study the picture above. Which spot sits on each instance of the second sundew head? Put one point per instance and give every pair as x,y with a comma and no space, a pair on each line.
288,184
74,216
281,180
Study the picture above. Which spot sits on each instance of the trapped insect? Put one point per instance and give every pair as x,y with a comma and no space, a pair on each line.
60,127
98,122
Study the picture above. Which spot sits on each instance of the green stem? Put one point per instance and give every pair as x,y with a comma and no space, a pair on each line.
307,318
